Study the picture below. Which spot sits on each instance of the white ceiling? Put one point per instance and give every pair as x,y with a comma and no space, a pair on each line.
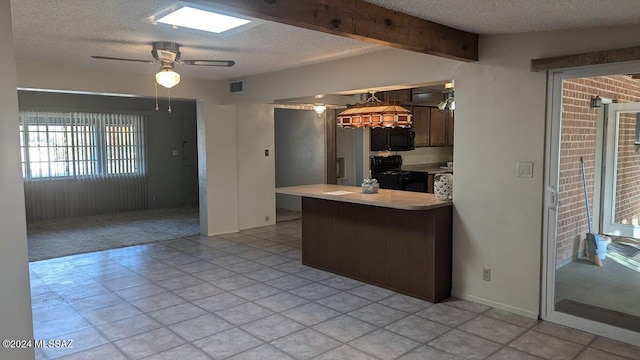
70,31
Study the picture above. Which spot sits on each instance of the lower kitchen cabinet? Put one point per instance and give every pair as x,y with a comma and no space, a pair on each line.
430,178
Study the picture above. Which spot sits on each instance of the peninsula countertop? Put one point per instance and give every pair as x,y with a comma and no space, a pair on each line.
395,199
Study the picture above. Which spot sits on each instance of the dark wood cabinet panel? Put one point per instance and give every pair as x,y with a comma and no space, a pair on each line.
421,115
408,251
450,128
433,127
397,96
437,128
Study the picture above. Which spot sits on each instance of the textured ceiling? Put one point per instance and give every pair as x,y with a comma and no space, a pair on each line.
518,16
70,31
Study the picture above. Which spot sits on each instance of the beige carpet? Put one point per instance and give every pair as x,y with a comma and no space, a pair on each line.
61,237
287,215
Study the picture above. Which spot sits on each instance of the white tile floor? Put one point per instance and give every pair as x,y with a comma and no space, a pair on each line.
246,296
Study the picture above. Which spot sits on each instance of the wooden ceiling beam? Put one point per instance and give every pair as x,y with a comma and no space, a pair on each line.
360,20
586,59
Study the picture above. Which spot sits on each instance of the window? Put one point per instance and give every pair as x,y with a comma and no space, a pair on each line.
57,145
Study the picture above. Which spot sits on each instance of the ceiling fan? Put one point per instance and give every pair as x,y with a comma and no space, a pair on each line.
168,54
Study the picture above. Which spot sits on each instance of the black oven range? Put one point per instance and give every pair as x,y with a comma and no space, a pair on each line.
388,171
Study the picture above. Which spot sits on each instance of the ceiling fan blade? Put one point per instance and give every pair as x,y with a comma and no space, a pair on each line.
226,63
123,59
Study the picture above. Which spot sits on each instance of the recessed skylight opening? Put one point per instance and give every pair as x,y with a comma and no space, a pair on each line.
202,20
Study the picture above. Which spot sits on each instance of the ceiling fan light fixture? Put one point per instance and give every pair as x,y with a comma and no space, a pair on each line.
167,77
319,109
199,19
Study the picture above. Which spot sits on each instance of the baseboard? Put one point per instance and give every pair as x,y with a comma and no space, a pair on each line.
497,305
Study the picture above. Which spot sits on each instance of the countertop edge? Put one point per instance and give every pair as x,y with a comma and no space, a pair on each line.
356,197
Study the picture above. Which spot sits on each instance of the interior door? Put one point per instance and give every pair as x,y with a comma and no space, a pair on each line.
620,214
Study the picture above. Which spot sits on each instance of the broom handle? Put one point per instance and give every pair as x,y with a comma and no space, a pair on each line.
586,197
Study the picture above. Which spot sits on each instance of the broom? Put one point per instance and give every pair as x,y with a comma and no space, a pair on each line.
592,239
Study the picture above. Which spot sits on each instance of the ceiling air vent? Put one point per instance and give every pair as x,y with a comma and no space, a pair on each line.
236,86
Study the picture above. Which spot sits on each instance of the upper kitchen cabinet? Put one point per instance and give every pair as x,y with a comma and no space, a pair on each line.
449,116
421,116
437,128
433,127
397,96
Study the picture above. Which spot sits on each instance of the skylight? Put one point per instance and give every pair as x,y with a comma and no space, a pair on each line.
202,20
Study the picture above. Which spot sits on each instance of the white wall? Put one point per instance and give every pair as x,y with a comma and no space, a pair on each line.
370,71
300,152
497,217
256,172
500,119
346,148
15,296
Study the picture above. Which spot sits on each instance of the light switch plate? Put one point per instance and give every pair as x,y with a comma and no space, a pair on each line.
524,169
175,152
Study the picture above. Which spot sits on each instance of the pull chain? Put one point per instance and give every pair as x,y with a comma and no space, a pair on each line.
157,107
169,100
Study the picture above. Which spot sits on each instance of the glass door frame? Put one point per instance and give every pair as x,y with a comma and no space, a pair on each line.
555,79
612,134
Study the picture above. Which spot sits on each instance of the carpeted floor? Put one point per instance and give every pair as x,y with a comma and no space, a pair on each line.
61,237
287,215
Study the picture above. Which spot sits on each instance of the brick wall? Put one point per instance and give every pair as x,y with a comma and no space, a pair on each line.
578,138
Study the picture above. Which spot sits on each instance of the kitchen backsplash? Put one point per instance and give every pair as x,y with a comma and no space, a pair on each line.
422,155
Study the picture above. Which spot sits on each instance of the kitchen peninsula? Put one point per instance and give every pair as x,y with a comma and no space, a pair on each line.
395,239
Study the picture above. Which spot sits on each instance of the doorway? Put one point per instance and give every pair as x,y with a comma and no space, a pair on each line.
621,186
603,300
103,172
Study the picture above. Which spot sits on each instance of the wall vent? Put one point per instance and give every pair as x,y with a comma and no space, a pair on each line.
236,86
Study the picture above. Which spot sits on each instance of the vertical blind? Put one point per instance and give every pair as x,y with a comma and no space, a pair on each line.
82,163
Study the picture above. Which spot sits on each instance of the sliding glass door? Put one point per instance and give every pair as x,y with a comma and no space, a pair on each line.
576,292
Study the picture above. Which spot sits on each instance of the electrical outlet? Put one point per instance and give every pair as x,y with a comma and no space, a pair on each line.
266,152
486,274
266,218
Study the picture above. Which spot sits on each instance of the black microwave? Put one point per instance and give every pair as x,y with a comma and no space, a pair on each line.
394,139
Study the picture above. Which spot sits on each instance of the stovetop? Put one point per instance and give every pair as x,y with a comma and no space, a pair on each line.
397,172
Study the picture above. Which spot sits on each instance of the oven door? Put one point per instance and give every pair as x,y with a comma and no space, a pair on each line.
414,181
388,180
